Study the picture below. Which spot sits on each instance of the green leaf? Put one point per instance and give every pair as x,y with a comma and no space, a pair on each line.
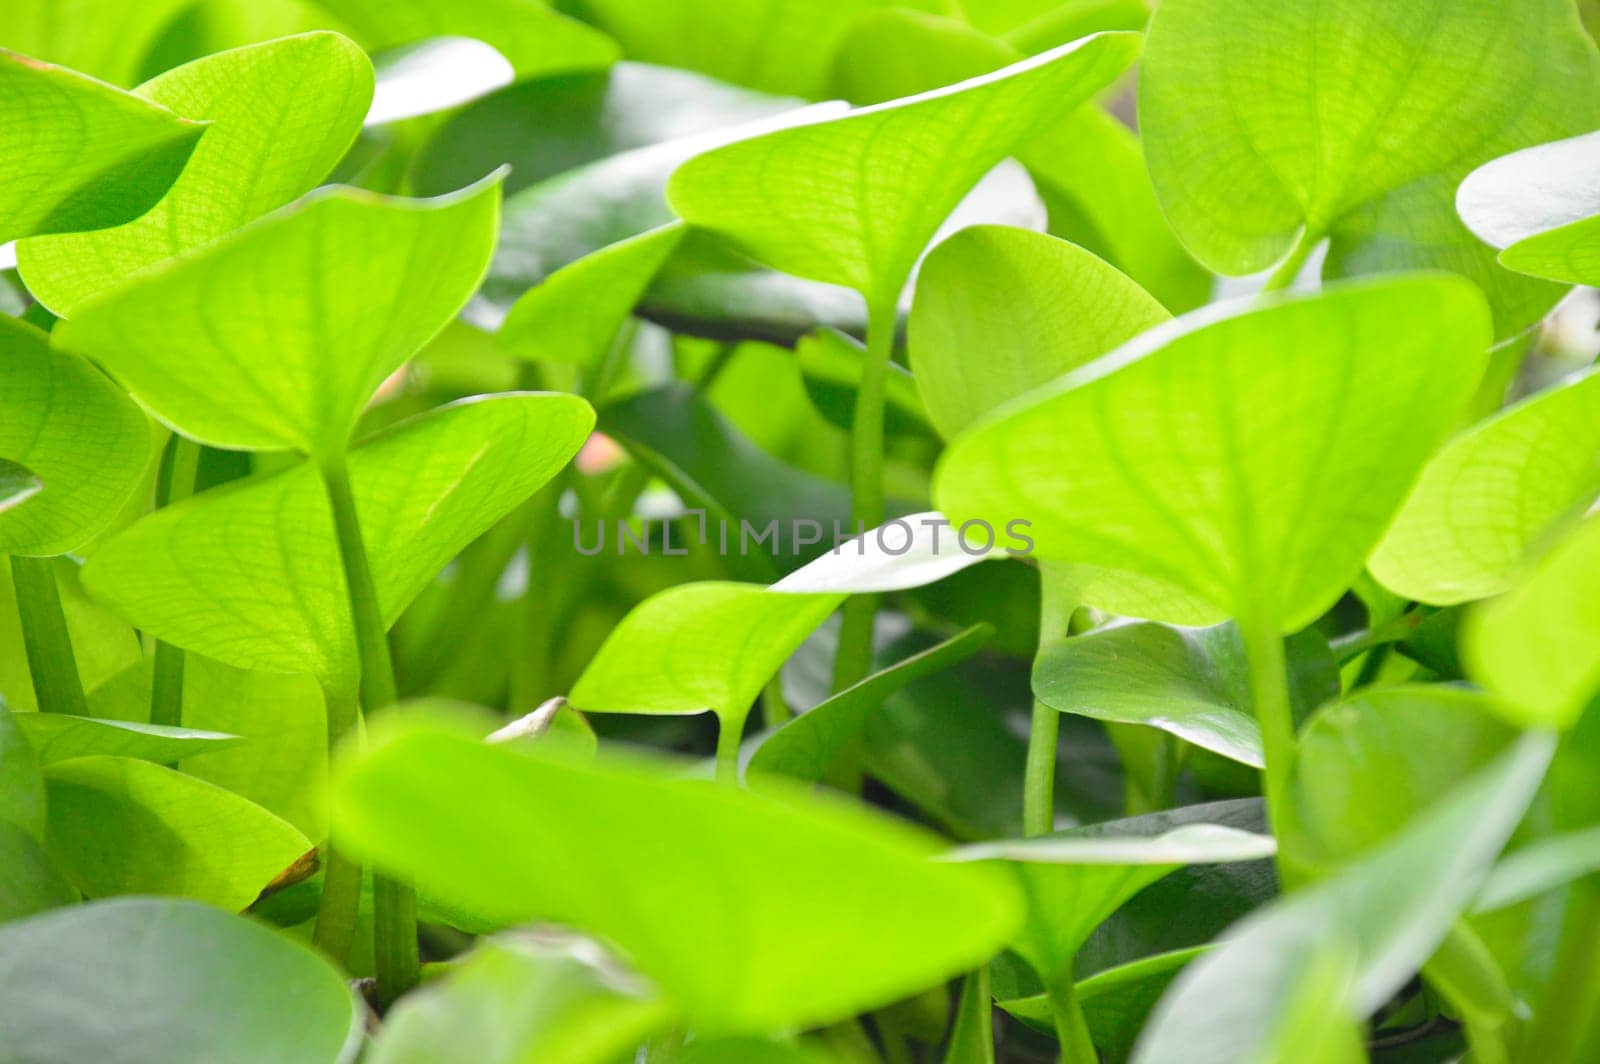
166,980
518,998
1075,879
79,153
79,434
1386,913
698,647
22,800
1370,764
1115,1002
1538,646
805,746
276,336
102,38
29,881
280,116
799,199
1251,454
121,826
102,643
250,573
1191,682
18,484
59,737
1541,866
745,1051
1539,205
1000,312
576,312
841,907
1360,119
1492,493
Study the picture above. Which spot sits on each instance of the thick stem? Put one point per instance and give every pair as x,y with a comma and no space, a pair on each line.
340,907
774,708
1289,269
1269,692
854,658
166,680
730,733
1039,775
57,687
395,919
1072,1031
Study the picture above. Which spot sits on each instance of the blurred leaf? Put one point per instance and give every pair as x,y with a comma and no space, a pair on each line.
1360,122
29,881
519,998
842,906
744,1051
1538,646
1386,913
276,335
79,153
576,312
120,826
534,38
153,980
1492,493
1289,466
1191,682
18,484
59,737
84,439
1540,866
805,746
1540,206
22,800
281,115
250,573
105,39
796,198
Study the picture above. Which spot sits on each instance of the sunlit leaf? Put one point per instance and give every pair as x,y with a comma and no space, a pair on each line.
154,980
58,737
1361,118
1252,453
280,116
842,906
276,335
250,573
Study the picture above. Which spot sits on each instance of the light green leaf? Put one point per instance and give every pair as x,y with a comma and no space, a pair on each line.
59,737
121,826
576,312
1491,494
1115,1002
102,643
903,553
1360,119
281,116
276,335
1541,866
29,881
855,201
106,39
22,799
519,998
1538,646
1386,912
78,153
1191,682
1001,311
1075,879
250,573
164,980
1251,453
758,912
698,647
79,434
806,746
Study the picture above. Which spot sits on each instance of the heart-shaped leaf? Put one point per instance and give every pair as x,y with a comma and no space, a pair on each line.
79,434
1538,645
276,336
1385,914
841,906
167,980
519,998
121,826
576,312
250,573
806,746
1252,453
1491,494
280,116
1191,682
79,153
854,201
60,737
1361,119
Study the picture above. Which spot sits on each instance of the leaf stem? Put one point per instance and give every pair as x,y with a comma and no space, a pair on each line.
166,679
1289,269
1044,732
1269,693
854,658
395,919
1072,1030
973,1031
57,686
730,733
340,906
